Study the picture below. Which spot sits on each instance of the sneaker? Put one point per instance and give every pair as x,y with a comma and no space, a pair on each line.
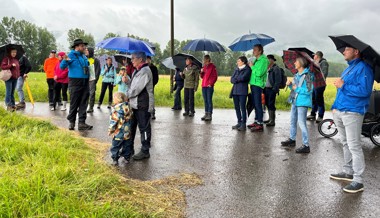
99,106
354,187
141,155
204,117
11,108
250,126
303,150
289,143
90,110
257,128
186,114
115,162
71,126
242,127
342,176
84,126
52,109
236,126
319,119
20,106
310,117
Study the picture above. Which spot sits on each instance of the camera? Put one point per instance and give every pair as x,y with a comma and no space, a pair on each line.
86,70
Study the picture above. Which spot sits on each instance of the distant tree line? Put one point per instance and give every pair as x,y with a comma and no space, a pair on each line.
38,42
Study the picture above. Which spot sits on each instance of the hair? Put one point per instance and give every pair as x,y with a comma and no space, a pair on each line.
319,54
243,59
140,54
190,59
149,57
109,58
302,61
207,57
260,47
120,97
90,52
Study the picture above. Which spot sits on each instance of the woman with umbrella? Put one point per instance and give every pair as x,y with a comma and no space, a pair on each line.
10,62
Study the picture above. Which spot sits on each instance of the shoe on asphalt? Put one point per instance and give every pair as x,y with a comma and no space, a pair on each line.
99,106
267,121
236,126
109,106
319,119
242,127
191,114
310,117
52,109
186,114
250,126
209,117
90,110
289,143
257,128
342,176
11,108
71,126
303,150
176,109
60,104
153,117
354,187
84,126
115,162
141,155
20,106
204,117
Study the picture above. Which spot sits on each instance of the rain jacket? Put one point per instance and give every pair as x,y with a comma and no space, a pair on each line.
108,74
62,75
6,64
209,75
324,67
191,77
25,66
259,71
49,67
303,91
140,92
120,124
76,64
240,79
275,78
178,79
122,86
356,91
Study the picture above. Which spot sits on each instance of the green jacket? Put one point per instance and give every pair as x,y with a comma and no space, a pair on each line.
259,71
191,76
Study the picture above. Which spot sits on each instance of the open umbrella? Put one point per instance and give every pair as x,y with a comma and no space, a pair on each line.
246,42
179,61
120,57
368,54
126,44
290,57
303,49
4,50
204,45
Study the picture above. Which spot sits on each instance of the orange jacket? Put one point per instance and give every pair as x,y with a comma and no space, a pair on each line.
49,67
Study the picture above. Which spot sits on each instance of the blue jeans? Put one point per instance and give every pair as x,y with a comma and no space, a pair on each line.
318,101
207,93
177,98
256,100
299,114
10,87
241,112
19,88
124,145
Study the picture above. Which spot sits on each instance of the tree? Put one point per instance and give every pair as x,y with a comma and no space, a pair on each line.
80,34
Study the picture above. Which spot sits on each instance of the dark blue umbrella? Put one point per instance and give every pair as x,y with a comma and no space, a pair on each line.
204,45
246,42
126,44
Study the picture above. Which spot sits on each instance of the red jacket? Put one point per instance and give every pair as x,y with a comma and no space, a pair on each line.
209,75
6,64
62,75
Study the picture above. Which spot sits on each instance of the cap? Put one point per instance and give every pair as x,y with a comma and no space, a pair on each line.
53,51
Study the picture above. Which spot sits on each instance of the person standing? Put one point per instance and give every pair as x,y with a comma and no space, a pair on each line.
156,77
11,63
25,68
209,77
108,73
179,83
49,66
94,77
141,99
351,103
318,99
119,80
257,82
272,88
77,64
191,76
61,79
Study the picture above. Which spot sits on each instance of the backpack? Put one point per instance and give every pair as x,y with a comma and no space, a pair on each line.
284,78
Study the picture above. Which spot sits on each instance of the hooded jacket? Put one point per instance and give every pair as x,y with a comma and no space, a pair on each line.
304,91
209,75
191,77
6,64
95,62
75,65
108,73
62,75
49,66
120,124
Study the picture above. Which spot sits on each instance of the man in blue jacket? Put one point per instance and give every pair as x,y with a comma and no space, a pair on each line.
78,64
352,100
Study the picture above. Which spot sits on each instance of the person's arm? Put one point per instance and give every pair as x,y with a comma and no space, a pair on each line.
64,64
277,79
45,65
6,64
362,86
196,81
113,122
28,66
324,68
97,69
245,76
213,76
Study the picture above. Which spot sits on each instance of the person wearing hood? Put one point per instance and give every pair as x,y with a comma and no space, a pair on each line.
94,69
11,63
301,100
109,74
209,77
61,78
119,80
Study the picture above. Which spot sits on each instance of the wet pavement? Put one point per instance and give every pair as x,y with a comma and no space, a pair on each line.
245,174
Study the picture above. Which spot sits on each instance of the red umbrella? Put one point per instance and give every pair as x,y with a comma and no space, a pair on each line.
290,57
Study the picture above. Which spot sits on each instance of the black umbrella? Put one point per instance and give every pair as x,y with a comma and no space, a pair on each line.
5,49
179,61
303,49
368,54
120,57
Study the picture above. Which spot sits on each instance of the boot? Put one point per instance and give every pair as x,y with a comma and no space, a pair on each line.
71,126
90,109
208,117
268,120
20,106
204,116
272,118
84,126
63,105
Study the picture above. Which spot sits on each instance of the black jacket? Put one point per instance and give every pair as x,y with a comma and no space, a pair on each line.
25,66
275,77
154,73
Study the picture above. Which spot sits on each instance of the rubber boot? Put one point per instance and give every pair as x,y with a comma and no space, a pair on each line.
272,117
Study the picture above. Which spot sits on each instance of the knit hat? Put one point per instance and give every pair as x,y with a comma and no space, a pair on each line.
61,53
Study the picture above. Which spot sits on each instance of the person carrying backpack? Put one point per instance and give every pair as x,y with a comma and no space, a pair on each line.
272,88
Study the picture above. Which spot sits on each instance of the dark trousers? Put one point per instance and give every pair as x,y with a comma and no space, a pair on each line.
256,100
141,118
103,92
79,93
50,83
318,101
124,146
241,112
177,98
58,87
189,100
270,99
207,93
92,93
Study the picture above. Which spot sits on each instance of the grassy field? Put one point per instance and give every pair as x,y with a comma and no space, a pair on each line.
164,98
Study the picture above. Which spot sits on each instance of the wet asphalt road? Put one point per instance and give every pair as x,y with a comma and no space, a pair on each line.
245,174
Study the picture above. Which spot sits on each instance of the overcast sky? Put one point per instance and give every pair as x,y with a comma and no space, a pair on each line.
290,22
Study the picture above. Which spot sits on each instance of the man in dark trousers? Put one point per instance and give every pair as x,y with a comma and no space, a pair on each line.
78,65
25,68
93,80
154,70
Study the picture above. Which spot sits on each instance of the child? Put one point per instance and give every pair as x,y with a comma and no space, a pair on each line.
122,86
119,128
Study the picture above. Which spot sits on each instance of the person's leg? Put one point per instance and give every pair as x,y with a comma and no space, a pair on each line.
320,101
126,149
115,148
20,91
205,100
64,91
210,93
92,85
187,96
102,93
191,101
177,98
347,166
243,103
238,112
143,120
50,83
14,84
293,122
110,93
270,100
57,92
82,113
75,100
133,128
301,117
8,91
257,91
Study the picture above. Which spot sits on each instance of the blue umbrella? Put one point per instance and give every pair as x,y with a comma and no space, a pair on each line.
246,42
126,44
204,45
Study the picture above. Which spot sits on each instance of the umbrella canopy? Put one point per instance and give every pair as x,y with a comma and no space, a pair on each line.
204,45
126,44
103,59
179,61
4,50
120,57
290,57
303,49
368,54
246,42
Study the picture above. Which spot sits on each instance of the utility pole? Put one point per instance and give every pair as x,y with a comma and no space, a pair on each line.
171,41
